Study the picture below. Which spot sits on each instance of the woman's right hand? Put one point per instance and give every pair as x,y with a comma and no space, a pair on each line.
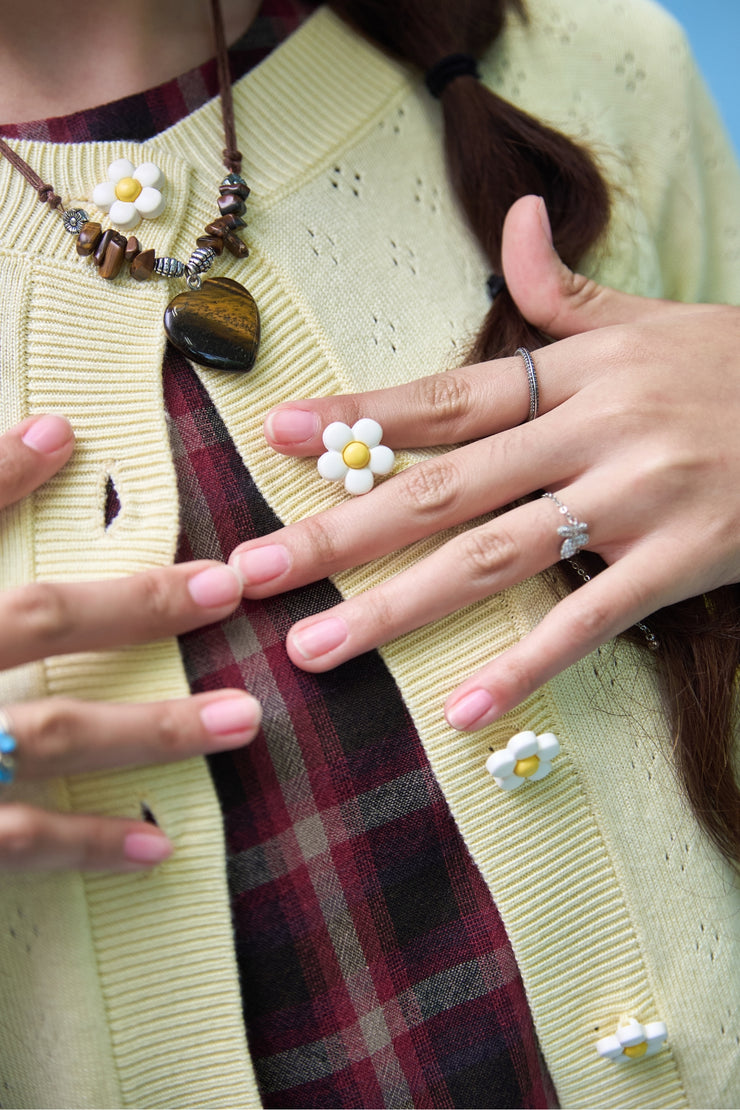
59,736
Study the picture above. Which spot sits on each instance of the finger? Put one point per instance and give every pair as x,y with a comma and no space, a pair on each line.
61,736
45,618
594,613
31,453
479,562
424,499
549,295
34,840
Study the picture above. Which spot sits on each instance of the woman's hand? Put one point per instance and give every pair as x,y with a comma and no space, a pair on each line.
637,435
62,736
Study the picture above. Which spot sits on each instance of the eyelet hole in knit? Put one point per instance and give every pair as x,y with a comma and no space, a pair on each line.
112,502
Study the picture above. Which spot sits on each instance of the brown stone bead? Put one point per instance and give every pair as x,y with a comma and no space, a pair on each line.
115,252
132,248
225,223
229,203
88,238
109,236
142,266
237,189
215,242
235,245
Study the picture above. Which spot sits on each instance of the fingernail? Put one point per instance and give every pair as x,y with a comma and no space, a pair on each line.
231,715
291,426
470,709
47,434
319,638
544,219
262,563
215,587
146,848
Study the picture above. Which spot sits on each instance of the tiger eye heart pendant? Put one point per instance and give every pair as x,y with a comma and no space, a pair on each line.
217,326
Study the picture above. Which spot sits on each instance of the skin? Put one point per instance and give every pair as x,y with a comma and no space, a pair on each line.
624,438
64,736
61,58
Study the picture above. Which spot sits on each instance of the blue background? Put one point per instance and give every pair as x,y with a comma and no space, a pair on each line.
713,27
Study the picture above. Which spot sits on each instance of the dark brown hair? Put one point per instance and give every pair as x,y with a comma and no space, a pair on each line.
495,154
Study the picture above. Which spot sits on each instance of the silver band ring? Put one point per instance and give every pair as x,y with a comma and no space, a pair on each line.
574,533
8,746
534,389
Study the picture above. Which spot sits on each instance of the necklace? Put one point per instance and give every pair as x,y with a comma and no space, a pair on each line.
213,322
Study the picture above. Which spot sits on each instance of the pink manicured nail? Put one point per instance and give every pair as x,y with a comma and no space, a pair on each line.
470,709
319,638
215,587
146,848
231,715
262,564
48,434
291,426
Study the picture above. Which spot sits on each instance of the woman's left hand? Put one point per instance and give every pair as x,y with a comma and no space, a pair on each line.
638,435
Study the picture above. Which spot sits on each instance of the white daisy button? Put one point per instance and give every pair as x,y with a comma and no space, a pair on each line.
526,758
131,194
355,455
633,1041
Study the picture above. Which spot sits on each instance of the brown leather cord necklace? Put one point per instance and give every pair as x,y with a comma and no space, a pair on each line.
213,322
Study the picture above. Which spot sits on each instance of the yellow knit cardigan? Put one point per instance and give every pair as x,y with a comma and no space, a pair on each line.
122,990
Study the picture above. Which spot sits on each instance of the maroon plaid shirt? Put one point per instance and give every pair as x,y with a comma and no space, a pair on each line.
374,967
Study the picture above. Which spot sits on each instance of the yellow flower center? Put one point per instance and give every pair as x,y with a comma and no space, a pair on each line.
526,767
635,1050
128,188
356,455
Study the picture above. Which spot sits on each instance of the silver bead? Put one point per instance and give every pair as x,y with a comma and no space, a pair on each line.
74,219
169,267
233,179
200,260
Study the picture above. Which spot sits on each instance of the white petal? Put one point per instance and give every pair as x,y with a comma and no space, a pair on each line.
382,460
655,1034
332,466
359,481
548,745
369,431
150,203
523,745
543,769
500,764
149,174
630,1033
337,435
120,168
609,1047
511,782
104,195
124,215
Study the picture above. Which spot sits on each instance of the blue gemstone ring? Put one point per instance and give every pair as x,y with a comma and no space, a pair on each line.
8,746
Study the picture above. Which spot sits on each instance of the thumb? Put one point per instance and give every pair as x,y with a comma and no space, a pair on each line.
546,292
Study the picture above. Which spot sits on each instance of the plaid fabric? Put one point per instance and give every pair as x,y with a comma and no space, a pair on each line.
375,969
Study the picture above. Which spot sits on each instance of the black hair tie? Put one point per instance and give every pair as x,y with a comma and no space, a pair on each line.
495,284
438,76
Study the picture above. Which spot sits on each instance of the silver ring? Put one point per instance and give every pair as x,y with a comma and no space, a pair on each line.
8,747
574,533
534,389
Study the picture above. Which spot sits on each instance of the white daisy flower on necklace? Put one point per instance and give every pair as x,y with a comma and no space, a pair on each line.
131,194
354,455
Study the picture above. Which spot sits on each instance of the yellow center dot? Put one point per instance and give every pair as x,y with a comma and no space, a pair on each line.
128,188
635,1050
356,455
526,767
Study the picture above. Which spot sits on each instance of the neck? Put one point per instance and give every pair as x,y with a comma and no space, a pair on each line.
55,59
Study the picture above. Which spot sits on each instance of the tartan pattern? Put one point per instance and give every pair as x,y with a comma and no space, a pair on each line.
375,969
